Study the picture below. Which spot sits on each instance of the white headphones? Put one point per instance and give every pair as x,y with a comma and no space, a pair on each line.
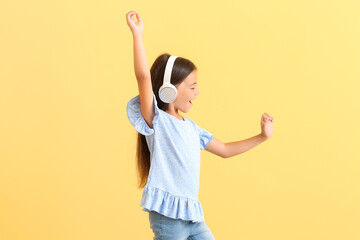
167,91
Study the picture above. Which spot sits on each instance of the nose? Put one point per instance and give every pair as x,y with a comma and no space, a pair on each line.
198,92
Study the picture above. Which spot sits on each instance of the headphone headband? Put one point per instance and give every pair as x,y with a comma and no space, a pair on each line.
168,69
167,91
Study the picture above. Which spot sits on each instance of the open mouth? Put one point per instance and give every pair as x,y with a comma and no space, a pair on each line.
190,101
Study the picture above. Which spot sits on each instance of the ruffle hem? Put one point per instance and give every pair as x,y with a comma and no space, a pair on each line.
154,199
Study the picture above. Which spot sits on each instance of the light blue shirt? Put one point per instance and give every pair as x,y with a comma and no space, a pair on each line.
173,183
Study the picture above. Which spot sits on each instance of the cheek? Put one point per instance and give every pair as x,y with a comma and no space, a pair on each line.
183,96
186,97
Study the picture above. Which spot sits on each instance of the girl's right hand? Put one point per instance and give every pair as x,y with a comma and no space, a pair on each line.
136,27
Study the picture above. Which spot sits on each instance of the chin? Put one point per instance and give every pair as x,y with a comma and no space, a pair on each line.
185,111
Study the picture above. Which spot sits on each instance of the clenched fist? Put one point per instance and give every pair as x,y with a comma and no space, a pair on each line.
137,27
267,123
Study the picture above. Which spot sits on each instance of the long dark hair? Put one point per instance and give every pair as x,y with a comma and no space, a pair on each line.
181,69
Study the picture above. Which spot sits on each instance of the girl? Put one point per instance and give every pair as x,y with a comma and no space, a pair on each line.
168,144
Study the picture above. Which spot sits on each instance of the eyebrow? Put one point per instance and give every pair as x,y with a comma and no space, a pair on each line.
193,83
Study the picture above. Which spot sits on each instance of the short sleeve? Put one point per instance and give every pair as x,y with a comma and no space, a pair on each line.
136,119
205,137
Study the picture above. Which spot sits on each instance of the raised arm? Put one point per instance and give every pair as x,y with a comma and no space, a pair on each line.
141,67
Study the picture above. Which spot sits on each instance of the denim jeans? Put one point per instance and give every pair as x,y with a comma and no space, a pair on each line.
166,228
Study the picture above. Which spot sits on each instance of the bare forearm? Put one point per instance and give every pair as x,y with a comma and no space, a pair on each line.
238,147
141,65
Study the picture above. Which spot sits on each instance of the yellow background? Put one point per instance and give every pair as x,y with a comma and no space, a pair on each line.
67,149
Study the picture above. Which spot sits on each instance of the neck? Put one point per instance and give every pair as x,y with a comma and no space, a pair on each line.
174,112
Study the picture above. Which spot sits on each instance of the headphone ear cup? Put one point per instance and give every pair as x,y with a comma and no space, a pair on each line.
167,93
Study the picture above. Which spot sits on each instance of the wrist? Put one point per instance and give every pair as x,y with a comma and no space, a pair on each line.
263,137
137,34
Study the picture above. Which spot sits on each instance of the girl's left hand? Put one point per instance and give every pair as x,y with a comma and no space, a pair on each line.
137,27
267,125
